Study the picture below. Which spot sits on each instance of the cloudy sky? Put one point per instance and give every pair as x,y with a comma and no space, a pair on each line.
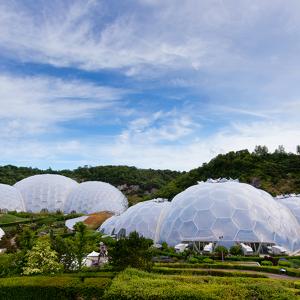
149,83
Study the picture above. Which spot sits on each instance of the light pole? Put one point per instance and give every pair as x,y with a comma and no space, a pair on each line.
220,238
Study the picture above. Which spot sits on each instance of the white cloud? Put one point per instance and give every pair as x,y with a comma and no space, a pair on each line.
34,105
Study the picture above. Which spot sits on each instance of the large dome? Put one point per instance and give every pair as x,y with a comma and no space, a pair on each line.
10,198
96,196
292,202
47,191
144,217
229,212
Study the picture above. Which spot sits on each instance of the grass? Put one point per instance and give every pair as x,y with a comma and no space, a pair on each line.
7,218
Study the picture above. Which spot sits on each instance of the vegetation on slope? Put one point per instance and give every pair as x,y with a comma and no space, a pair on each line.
276,173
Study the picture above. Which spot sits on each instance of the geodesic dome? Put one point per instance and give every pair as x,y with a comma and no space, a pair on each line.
2,233
229,211
144,218
96,196
108,226
46,191
10,198
292,202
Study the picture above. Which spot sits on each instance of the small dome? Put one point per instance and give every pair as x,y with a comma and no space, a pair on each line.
46,191
96,196
144,218
10,198
108,226
231,212
2,233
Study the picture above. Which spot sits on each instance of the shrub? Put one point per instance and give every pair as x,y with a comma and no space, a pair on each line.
266,263
193,260
284,263
208,260
221,251
236,250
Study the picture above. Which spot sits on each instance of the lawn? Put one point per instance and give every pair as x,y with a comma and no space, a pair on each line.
7,218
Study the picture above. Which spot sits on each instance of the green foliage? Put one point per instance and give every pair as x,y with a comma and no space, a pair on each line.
26,239
208,260
134,284
63,287
236,250
276,173
266,263
284,263
41,259
221,251
193,260
132,251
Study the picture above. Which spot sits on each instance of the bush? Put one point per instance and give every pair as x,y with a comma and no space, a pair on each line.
49,288
284,263
221,251
236,250
266,263
208,260
193,260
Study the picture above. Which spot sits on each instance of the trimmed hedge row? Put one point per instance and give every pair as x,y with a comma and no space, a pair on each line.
267,269
172,271
134,284
49,288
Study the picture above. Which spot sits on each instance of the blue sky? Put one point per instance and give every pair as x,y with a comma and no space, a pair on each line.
148,83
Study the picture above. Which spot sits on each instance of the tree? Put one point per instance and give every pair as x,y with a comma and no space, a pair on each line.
81,243
261,150
280,150
236,250
41,259
221,251
26,239
298,149
132,251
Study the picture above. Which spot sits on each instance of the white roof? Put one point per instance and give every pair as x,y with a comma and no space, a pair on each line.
2,233
237,212
96,196
46,191
10,198
71,222
93,254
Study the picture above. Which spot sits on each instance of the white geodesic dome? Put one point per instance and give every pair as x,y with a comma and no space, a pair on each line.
144,218
292,202
96,196
10,198
231,212
108,226
46,191
2,233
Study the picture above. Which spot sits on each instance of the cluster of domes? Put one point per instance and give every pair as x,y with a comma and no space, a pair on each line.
53,192
222,211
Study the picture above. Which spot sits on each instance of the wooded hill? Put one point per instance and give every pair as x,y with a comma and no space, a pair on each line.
276,173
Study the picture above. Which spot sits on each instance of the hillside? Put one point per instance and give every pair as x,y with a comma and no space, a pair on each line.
135,183
276,173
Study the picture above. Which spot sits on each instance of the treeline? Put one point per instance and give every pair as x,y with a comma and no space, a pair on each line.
133,181
276,173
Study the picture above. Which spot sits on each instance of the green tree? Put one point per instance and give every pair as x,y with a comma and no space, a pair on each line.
26,239
132,251
261,150
81,244
41,259
236,250
221,251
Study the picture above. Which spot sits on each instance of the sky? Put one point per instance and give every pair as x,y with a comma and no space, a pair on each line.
163,84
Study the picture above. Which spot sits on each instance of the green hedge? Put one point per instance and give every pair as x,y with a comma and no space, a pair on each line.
172,271
133,284
49,288
267,269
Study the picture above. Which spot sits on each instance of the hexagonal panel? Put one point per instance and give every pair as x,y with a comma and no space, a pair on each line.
188,229
222,209
243,220
204,219
226,228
